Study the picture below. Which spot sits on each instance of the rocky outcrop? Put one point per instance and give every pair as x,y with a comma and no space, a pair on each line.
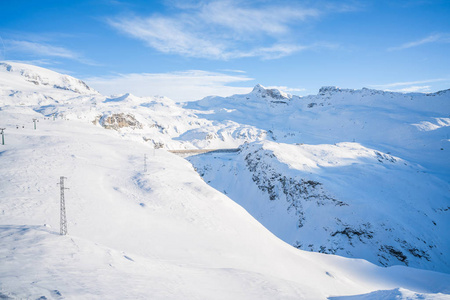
120,120
296,191
273,95
331,225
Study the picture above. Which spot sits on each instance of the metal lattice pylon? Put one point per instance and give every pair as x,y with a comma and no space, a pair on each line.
3,135
63,219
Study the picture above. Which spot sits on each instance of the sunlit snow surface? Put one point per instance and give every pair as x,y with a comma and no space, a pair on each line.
167,234
357,173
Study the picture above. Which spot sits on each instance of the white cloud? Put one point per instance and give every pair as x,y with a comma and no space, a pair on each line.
179,86
275,51
413,89
221,30
45,50
434,38
170,36
233,71
241,20
409,86
41,49
397,84
36,62
287,89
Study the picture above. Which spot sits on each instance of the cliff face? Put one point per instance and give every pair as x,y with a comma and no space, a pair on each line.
342,199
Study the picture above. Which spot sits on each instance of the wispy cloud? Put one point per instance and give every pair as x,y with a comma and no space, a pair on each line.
287,89
405,83
38,49
41,49
274,51
222,29
434,38
36,62
180,86
414,89
242,20
409,86
233,71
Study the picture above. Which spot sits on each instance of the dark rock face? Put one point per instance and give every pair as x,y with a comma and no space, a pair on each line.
345,235
295,191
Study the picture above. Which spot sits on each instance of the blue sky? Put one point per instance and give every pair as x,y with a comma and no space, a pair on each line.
189,49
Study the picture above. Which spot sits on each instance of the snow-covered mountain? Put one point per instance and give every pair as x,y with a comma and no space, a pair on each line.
35,78
314,178
343,199
359,173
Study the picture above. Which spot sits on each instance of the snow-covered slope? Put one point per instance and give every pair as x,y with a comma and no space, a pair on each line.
359,173
343,199
167,234
25,77
163,234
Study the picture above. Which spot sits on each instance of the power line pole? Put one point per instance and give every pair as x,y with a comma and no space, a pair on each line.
63,219
34,121
3,135
145,163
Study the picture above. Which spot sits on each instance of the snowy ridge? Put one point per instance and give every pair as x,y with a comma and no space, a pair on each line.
382,120
435,124
43,77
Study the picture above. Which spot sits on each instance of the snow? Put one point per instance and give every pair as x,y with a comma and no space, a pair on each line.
44,79
338,199
168,234
392,294
429,126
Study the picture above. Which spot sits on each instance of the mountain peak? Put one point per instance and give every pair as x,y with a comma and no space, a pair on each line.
258,88
329,90
271,93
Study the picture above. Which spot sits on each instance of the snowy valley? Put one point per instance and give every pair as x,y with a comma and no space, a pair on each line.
328,196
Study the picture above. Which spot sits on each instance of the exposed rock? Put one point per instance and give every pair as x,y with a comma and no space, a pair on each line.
295,190
97,120
158,145
271,93
352,232
117,121
395,253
